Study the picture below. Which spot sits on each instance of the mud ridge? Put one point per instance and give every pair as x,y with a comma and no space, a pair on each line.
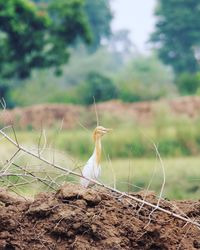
94,218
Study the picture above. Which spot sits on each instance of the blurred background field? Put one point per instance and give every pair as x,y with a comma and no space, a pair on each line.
58,55
128,152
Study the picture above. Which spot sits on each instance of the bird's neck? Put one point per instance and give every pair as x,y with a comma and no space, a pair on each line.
97,150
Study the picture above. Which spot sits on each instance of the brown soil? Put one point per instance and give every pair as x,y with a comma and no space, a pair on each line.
75,218
51,115
45,115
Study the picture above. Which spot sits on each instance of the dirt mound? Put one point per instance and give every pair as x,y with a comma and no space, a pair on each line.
47,115
51,115
75,218
144,111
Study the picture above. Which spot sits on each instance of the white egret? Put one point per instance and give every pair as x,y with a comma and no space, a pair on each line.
92,169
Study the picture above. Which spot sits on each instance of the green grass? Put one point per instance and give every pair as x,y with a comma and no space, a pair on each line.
132,155
182,176
172,141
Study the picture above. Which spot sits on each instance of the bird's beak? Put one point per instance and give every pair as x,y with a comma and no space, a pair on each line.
107,130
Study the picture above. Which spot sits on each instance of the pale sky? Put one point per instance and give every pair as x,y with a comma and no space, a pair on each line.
136,16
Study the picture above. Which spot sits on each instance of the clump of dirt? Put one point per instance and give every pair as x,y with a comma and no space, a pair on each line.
77,218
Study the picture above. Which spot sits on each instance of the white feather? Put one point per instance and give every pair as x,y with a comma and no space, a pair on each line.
91,170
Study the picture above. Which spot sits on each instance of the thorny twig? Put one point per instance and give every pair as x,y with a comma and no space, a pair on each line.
44,181
163,183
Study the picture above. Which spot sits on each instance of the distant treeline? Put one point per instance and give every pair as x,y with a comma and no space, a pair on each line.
65,51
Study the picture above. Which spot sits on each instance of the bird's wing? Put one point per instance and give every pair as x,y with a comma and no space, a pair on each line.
88,169
86,172
91,171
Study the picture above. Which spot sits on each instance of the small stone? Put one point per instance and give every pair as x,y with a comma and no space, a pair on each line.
11,223
70,233
76,225
68,192
91,197
5,235
94,228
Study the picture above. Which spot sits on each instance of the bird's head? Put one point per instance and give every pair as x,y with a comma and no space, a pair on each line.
100,131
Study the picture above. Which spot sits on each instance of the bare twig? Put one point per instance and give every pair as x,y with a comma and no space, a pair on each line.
113,172
39,179
84,127
42,134
13,129
163,170
3,103
95,108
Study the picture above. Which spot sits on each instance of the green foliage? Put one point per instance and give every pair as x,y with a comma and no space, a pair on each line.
39,89
22,29
82,63
132,91
179,138
134,174
182,174
33,37
188,83
100,17
177,32
4,87
69,21
36,36
43,86
98,86
144,78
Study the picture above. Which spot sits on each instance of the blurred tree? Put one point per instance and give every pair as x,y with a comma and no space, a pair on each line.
144,78
43,86
69,23
32,37
100,17
37,36
82,63
177,33
4,87
21,30
121,46
98,86
188,83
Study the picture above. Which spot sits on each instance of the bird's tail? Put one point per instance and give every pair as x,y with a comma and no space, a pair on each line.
84,182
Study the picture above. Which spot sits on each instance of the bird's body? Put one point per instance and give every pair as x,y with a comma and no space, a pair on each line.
92,168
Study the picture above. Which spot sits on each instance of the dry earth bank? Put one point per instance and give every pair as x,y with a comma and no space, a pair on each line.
76,218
